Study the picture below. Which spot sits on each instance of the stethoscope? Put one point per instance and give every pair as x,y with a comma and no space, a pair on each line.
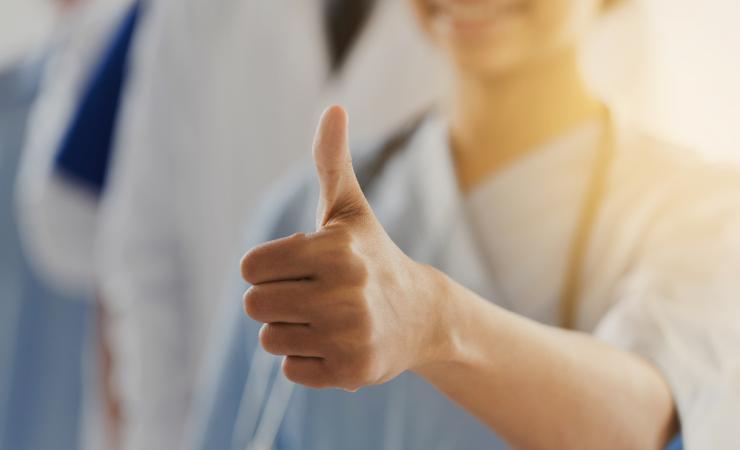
263,423
571,293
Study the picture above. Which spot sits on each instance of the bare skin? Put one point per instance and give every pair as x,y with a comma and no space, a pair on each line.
499,115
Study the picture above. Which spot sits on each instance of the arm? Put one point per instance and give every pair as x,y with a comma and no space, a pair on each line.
543,387
348,309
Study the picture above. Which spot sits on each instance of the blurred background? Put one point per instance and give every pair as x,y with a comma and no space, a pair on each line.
670,65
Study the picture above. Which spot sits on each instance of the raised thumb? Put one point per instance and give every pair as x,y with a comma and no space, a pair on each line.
341,195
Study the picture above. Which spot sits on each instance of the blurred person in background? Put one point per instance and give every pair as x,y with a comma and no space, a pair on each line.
58,214
41,330
223,99
43,350
517,268
62,172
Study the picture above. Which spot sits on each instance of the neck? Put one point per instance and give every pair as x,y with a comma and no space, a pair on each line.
496,120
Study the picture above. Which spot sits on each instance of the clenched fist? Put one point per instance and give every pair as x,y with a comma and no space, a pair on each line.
344,305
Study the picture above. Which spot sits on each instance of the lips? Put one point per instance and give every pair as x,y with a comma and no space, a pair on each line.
466,14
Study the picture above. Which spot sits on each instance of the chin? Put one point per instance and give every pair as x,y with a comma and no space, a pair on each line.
485,61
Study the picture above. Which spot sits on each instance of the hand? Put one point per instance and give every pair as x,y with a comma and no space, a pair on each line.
344,305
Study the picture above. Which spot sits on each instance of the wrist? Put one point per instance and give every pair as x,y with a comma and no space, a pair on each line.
443,343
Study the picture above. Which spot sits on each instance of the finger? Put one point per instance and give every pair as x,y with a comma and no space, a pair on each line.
280,260
310,372
341,194
285,339
286,302
300,302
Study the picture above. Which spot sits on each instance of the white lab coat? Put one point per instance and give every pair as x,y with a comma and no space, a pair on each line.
58,218
224,98
660,280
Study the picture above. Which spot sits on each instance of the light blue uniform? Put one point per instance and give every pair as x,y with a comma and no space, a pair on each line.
406,413
41,333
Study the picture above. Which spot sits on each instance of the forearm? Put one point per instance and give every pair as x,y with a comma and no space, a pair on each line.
542,387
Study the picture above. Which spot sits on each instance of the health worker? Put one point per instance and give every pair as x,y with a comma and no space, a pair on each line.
518,268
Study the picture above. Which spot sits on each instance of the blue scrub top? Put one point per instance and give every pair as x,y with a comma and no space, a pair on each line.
42,333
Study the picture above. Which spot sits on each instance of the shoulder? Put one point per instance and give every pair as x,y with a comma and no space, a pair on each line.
682,196
655,166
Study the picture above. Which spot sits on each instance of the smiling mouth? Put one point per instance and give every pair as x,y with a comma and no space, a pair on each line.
466,14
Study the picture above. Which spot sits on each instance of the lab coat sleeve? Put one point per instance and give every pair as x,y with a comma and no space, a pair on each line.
680,306
140,247
58,217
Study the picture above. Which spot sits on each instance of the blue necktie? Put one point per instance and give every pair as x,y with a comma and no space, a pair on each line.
86,146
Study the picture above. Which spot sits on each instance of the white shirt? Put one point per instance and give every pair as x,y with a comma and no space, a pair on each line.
661,272
224,97
534,203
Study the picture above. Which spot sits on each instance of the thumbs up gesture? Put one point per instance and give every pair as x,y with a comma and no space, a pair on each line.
344,305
